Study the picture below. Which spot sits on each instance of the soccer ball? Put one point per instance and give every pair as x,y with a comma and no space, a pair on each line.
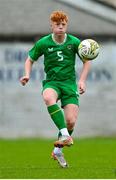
88,49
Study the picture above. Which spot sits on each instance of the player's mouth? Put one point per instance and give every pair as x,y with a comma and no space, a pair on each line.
60,32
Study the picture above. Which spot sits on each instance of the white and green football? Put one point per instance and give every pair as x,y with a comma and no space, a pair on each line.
88,49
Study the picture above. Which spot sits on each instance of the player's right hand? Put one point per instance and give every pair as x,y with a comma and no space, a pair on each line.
24,80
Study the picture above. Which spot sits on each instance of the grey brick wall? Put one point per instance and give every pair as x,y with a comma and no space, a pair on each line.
26,17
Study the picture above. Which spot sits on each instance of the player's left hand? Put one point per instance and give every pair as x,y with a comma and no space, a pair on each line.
82,87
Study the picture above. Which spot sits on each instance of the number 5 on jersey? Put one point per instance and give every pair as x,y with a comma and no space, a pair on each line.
60,55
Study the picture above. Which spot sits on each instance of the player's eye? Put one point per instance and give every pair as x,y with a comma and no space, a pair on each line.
57,24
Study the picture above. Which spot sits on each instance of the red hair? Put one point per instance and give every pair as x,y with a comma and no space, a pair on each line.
58,16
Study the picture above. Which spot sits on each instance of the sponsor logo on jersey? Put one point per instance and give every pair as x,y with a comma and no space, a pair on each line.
50,49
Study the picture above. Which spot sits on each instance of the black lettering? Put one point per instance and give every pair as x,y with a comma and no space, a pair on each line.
1,75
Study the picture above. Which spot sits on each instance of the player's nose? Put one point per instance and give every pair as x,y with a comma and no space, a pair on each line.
60,26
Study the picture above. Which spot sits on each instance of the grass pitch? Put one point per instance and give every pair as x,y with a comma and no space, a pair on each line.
30,158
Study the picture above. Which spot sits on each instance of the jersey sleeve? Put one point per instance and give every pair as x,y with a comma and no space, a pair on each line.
77,42
36,51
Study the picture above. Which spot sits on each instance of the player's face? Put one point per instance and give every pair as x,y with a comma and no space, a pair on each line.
59,28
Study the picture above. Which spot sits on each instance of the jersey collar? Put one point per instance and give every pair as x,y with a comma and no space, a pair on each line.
57,42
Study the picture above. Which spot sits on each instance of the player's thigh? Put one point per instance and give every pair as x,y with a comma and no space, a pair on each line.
71,113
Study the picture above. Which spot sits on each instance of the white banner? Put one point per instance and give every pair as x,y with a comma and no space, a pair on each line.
22,110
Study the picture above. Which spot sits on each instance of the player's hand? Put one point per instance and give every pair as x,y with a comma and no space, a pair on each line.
24,80
82,87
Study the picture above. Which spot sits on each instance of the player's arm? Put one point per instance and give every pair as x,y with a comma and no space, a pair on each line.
83,76
28,68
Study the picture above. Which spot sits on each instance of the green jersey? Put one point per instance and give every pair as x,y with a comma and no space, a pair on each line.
59,59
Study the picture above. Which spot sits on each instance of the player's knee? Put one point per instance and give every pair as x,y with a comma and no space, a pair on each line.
71,121
48,99
70,124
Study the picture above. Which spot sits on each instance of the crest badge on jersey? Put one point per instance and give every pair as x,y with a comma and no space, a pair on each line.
69,46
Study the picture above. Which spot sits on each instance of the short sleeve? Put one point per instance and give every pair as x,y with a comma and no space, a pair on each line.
36,51
77,42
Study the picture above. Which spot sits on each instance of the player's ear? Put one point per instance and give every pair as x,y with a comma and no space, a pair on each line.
51,24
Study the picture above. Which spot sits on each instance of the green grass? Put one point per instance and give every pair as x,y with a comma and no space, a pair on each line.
30,158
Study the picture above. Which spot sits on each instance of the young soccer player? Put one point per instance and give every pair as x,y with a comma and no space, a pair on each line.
59,50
